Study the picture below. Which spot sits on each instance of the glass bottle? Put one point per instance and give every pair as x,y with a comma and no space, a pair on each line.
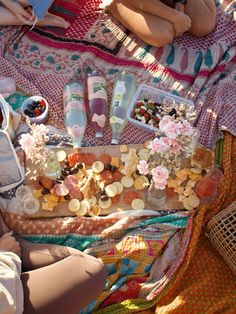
75,117
51,167
123,92
97,97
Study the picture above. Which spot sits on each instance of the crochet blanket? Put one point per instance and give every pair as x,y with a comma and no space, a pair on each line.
146,254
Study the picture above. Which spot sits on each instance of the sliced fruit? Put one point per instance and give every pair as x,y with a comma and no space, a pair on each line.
141,183
119,187
105,204
98,167
170,192
95,210
105,158
61,155
74,205
111,190
127,182
71,182
129,196
106,176
138,204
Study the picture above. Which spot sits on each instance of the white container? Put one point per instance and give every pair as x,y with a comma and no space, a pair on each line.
40,119
158,96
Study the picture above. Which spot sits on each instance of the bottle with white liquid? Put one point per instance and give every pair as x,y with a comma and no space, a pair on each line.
123,92
75,116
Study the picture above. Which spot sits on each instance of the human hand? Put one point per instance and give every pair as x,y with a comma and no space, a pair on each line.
9,243
18,10
179,7
181,22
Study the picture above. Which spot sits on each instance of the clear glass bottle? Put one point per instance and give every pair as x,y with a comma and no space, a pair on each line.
123,92
97,98
75,116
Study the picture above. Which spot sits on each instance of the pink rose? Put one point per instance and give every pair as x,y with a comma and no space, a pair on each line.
186,128
169,127
160,175
142,167
174,146
158,145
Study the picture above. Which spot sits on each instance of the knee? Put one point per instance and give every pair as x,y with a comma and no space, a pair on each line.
204,28
98,273
165,37
205,24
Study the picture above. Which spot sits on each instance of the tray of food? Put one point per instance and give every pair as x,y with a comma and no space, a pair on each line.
93,181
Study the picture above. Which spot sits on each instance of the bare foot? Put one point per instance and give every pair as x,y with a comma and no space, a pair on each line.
53,20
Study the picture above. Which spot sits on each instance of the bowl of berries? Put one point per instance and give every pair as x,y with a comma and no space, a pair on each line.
35,108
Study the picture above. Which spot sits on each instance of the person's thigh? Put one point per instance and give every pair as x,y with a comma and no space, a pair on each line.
66,286
151,29
203,16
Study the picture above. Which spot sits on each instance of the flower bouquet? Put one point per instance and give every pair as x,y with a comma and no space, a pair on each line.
34,146
174,142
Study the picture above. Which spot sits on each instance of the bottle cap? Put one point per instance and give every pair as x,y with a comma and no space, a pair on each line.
114,141
98,134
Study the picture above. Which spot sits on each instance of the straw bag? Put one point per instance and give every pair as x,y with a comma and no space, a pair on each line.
11,174
222,233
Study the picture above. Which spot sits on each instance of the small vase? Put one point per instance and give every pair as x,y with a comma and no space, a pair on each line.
155,197
52,168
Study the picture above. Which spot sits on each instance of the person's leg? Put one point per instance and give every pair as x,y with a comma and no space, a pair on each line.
150,28
203,16
7,18
71,280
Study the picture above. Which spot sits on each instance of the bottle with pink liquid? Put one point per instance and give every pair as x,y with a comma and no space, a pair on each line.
97,102
75,117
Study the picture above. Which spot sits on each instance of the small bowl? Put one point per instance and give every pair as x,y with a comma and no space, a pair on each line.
40,119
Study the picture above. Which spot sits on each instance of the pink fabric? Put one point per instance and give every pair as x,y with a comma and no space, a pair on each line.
201,69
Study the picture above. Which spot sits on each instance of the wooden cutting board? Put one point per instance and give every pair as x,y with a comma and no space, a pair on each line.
61,210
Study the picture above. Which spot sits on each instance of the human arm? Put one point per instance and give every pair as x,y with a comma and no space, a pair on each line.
11,291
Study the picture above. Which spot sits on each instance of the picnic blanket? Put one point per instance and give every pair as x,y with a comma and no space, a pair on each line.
146,254
201,69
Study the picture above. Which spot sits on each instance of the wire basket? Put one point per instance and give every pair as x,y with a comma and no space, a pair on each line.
222,233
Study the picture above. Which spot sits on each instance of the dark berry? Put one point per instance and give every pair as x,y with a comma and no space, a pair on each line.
67,168
67,197
74,171
40,182
113,168
172,112
45,191
137,172
59,181
149,176
63,172
27,112
80,166
107,166
104,198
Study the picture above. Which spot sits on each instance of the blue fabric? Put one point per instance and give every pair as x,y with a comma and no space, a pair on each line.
40,7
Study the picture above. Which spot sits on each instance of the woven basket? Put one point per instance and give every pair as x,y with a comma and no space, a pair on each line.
222,233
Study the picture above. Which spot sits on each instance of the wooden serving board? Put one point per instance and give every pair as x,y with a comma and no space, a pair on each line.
61,210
